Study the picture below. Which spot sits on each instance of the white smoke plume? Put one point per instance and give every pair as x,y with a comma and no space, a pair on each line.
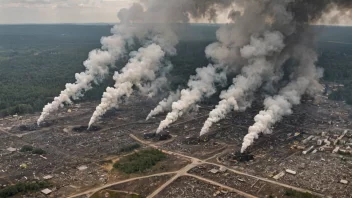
165,104
148,13
281,105
251,78
200,85
97,67
142,67
225,53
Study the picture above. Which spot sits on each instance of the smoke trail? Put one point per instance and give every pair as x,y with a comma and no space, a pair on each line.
97,67
225,53
153,11
199,86
305,78
252,75
143,66
165,104
280,105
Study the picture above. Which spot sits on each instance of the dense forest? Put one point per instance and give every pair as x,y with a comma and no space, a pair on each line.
37,60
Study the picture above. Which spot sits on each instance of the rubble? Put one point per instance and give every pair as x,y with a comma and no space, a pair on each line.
291,172
68,149
157,137
149,135
243,157
30,127
81,129
163,136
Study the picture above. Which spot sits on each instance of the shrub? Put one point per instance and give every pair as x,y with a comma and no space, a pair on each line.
139,161
26,148
294,193
39,151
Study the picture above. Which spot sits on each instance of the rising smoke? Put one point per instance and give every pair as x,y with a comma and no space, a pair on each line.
305,79
262,36
227,54
262,61
201,85
251,77
97,68
145,77
142,67
165,104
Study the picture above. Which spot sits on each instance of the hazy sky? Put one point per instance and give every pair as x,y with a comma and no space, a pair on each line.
75,11
60,11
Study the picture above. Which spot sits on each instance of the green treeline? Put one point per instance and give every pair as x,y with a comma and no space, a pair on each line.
36,61
336,60
32,75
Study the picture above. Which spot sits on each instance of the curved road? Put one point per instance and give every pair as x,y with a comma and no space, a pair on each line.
184,172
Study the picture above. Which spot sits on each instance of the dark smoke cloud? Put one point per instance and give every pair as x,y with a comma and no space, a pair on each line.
247,46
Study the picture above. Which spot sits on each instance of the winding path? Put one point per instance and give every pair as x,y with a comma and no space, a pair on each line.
184,172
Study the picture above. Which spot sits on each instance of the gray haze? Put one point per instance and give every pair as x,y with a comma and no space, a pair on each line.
91,11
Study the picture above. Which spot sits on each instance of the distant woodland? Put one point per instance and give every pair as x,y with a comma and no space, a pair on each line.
36,61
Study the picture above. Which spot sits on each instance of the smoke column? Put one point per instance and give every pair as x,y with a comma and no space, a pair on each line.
155,11
305,79
142,67
252,75
281,105
165,104
249,20
97,67
201,85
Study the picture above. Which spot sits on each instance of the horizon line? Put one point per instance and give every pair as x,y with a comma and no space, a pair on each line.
114,23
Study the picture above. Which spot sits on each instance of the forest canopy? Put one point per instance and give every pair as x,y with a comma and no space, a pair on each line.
36,61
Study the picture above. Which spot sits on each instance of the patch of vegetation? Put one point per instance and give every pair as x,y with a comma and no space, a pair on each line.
130,148
23,188
294,193
36,151
140,161
39,151
26,148
342,94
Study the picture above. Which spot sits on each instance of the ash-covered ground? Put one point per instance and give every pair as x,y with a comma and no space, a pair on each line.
75,158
